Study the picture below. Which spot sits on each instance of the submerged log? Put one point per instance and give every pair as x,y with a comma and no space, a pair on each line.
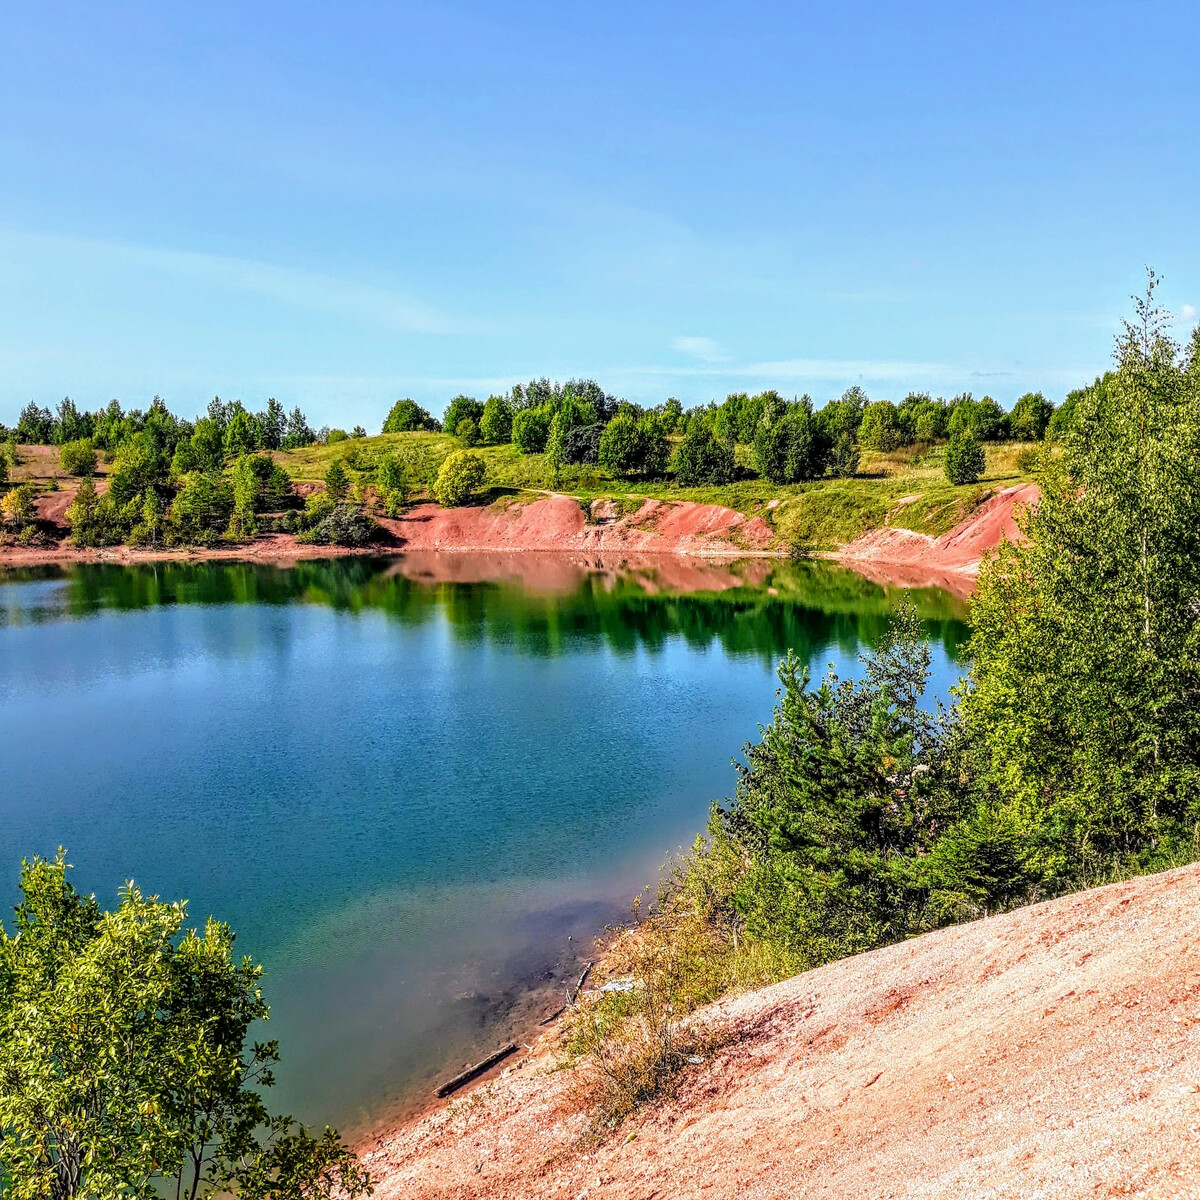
478,1069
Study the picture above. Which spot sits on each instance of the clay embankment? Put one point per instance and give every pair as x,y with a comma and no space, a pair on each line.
962,549
560,523
1049,1052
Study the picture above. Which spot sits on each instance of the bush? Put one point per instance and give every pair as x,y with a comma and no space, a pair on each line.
17,509
581,446
336,435
467,432
965,461
701,459
407,416
459,476
530,429
342,525
78,458
393,483
497,421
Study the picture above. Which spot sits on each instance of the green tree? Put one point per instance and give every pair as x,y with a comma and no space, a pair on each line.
242,434
272,425
839,802
35,426
393,482
792,447
467,432
123,1056
531,427
701,459
407,416
1030,416
337,482
461,408
1085,688
965,460
880,427
496,423
462,473
621,450
78,458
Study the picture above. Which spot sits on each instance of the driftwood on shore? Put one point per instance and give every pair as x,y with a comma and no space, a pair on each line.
478,1069
587,970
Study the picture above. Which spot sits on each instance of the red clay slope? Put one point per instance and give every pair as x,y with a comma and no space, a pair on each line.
1049,1052
559,523
961,549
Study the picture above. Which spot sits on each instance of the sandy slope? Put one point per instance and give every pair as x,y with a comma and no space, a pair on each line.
1049,1052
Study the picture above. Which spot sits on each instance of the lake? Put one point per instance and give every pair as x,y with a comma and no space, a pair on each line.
417,787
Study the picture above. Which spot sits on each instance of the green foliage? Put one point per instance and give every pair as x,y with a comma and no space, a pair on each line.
259,485
965,460
460,475
242,434
701,459
336,435
840,802
496,423
531,428
201,508
124,1059
340,525
393,483
467,432
35,426
621,446
880,428
406,416
793,447
1030,416
985,419
1085,691
78,457
17,509
461,408
337,482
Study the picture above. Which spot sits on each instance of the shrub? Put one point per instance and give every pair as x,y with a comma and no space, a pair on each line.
497,421
965,459
467,432
407,416
530,429
342,525
336,435
459,476
16,508
582,444
78,458
701,459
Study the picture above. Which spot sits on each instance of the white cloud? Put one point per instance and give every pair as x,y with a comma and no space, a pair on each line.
1187,314
705,349
293,286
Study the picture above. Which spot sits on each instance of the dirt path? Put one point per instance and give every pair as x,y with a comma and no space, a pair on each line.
1050,1052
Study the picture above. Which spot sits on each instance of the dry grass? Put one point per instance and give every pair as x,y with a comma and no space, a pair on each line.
633,1046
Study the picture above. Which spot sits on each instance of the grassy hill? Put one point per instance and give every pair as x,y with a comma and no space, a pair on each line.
822,514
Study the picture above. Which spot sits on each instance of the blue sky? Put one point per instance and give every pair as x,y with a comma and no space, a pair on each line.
342,204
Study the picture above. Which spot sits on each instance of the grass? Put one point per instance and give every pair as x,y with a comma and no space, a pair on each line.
906,488
634,1046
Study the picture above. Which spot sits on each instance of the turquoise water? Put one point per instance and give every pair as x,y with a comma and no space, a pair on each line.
417,788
